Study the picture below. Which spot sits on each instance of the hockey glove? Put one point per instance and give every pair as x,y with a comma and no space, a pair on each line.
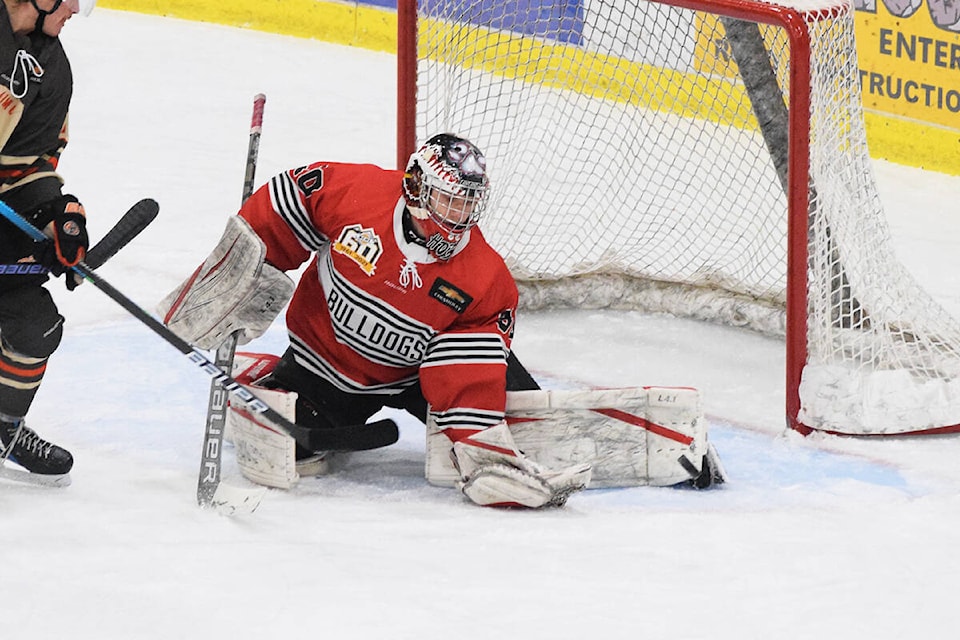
493,473
67,228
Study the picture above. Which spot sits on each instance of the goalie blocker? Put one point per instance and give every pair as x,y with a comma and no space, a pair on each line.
638,436
234,290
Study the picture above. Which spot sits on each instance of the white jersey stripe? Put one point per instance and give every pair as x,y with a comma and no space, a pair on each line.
285,197
369,326
460,417
374,305
466,349
311,361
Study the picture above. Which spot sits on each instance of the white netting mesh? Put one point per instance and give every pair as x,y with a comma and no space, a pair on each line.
629,171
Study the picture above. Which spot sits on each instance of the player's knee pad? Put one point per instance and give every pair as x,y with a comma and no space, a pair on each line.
37,331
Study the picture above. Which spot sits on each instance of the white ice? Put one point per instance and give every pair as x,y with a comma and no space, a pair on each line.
818,537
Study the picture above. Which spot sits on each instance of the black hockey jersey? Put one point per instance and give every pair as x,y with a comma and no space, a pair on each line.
36,85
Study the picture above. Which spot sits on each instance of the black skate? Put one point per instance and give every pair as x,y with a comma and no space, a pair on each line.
41,458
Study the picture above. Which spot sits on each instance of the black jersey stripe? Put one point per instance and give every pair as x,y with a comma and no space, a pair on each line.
286,201
370,327
375,306
466,349
460,418
313,362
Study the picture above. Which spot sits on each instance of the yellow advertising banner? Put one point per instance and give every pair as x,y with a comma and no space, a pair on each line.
909,53
910,59
909,66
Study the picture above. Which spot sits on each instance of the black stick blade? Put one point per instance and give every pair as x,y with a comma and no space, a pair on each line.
360,437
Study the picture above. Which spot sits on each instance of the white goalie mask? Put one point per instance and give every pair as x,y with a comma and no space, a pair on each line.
445,186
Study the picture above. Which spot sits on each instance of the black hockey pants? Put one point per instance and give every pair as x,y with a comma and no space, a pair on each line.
30,330
320,404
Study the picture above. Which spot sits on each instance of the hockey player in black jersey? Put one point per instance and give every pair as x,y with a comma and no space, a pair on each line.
36,85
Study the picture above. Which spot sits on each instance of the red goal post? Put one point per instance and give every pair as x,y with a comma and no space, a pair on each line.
712,154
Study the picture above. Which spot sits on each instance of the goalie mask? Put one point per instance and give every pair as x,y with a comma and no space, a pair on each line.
445,186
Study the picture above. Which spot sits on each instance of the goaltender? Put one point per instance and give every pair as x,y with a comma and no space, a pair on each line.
403,304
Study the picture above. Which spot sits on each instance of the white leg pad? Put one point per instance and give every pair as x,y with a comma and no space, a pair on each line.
635,436
265,456
248,369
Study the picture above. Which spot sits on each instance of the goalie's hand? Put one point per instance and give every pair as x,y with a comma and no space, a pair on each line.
493,473
67,228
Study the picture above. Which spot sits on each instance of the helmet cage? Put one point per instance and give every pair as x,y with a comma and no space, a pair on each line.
446,188
455,208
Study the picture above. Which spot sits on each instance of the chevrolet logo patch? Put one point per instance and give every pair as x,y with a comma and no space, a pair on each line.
450,295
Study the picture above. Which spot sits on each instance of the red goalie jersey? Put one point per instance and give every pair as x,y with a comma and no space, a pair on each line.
375,311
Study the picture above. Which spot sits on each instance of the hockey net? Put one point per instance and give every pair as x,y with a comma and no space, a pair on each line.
631,171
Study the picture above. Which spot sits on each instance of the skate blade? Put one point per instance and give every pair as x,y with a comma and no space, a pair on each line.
36,479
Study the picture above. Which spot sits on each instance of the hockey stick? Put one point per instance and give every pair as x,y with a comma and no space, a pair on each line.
766,99
126,229
210,491
349,438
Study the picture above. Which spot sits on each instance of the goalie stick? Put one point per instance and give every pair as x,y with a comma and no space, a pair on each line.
349,438
211,492
126,229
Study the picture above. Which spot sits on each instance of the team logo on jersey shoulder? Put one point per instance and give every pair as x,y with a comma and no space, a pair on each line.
454,297
505,322
361,245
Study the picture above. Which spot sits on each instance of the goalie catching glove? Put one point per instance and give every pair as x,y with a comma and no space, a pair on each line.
493,473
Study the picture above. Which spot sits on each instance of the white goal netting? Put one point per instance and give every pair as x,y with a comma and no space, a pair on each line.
639,159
